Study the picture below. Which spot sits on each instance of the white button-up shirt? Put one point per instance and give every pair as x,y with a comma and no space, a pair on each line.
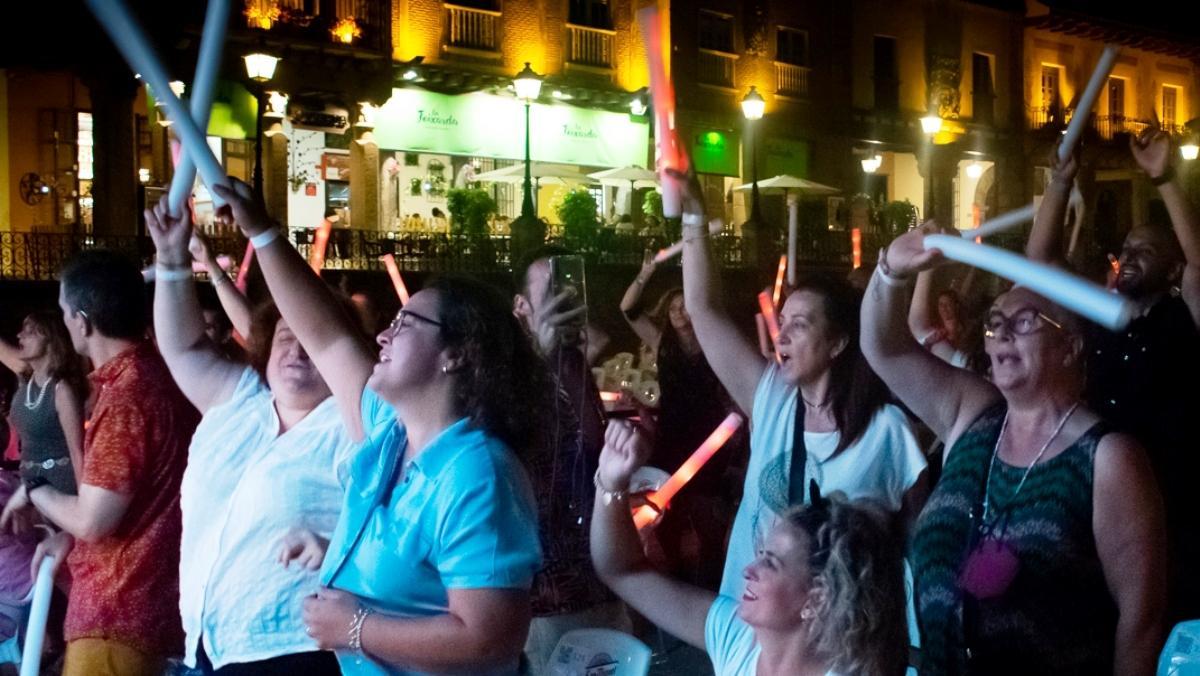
245,486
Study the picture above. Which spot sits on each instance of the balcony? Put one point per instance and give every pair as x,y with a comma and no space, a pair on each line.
588,46
715,68
472,28
1109,126
362,24
791,80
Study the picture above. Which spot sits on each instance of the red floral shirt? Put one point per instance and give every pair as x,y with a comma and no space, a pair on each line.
126,586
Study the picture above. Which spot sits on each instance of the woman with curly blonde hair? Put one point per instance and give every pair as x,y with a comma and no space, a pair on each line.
824,596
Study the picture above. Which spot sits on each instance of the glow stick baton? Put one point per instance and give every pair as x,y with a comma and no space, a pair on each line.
1005,221
714,228
316,255
204,85
244,268
129,39
768,312
1074,293
783,267
39,609
764,344
793,207
663,96
662,497
389,261
1087,100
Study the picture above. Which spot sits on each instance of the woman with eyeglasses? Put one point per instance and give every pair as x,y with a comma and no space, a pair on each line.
1041,549
824,594
430,566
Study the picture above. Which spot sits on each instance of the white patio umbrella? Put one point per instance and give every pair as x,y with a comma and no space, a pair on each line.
636,177
540,171
791,187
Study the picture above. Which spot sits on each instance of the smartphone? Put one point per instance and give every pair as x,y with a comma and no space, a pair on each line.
566,272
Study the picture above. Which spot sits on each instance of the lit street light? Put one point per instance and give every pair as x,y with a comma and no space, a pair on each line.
752,108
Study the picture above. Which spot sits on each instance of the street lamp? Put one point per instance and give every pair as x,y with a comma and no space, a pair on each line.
528,85
752,107
1189,151
260,68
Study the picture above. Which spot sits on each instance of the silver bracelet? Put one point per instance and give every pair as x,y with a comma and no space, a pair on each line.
898,282
356,627
608,496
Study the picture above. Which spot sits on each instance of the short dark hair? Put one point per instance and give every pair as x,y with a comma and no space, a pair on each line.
108,289
263,320
526,261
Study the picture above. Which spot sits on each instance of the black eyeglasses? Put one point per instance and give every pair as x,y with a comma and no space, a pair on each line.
1021,323
398,322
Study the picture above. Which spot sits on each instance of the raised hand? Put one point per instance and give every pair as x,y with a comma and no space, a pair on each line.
558,321
690,192
626,448
242,208
1064,170
201,251
171,234
1152,150
907,255
304,547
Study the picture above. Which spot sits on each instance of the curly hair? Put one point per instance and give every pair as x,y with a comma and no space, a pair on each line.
263,320
506,389
855,558
65,364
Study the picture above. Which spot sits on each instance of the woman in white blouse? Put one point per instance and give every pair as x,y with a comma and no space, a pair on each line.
262,468
817,412
823,597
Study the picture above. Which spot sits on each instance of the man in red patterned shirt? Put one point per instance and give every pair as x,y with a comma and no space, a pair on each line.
122,531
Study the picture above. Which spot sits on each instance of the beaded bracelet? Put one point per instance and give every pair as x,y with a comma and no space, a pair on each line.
356,627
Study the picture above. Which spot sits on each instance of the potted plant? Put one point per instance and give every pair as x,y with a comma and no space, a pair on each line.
470,210
577,212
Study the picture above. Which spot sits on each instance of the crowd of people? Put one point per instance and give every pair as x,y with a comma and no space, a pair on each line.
257,489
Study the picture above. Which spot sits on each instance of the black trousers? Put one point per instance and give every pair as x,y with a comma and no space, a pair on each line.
315,663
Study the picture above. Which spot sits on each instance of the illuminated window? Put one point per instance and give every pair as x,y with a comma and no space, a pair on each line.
1050,87
1170,107
84,143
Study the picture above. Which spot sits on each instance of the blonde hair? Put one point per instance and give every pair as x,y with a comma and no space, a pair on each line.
855,560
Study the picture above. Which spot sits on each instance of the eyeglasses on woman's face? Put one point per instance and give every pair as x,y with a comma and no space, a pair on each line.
407,319
1021,323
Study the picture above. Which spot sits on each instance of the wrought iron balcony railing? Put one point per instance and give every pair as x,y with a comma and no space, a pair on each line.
472,28
590,46
790,79
715,68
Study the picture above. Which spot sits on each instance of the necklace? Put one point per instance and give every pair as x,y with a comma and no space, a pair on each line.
809,403
987,486
31,404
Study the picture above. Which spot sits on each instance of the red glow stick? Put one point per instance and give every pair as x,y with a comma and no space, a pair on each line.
783,261
670,155
768,313
856,247
244,268
316,255
764,343
662,497
389,261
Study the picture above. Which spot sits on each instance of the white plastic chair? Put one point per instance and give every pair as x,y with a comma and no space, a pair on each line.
599,652
1181,654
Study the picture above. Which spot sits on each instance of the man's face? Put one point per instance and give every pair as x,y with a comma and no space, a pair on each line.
537,288
1148,262
76,323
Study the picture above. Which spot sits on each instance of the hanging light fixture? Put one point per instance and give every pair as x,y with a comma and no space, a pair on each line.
260,66
1189,151
931,124
871,164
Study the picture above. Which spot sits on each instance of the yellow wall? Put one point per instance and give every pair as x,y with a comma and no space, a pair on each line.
5,216
904,21
984,32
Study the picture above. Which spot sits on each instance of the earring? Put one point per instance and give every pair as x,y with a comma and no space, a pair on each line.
445,368
807,614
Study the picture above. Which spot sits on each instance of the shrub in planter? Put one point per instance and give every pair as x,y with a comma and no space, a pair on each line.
470,210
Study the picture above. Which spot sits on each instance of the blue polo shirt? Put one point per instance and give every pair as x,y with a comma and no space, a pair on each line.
461,515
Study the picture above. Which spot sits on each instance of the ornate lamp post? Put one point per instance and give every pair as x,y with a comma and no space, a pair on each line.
752,108
260,68
528,85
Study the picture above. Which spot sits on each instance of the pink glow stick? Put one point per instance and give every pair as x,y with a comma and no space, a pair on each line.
389,261
768,312
316,255
670,155
662,497
783,266
244,268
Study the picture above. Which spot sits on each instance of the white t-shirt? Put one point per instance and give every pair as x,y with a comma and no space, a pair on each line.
883,464
730,641
245,486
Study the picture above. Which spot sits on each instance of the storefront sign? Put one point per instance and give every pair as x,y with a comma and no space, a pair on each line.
783,156
715,152
233,111
484,125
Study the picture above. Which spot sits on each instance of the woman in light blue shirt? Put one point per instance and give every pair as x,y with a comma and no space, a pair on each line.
434,553
823,597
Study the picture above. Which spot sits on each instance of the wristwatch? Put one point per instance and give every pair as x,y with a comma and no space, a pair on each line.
32,483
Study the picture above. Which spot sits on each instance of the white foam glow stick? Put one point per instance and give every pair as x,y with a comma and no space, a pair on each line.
39,609
1074,293
714,228
204,85
129,39
1005,221
1087,100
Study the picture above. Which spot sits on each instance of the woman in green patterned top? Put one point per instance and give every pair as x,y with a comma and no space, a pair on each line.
1042,548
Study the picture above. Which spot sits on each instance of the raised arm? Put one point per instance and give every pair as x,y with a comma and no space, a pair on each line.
617,553
920,310
1152,150
1046,238
944,397
1127,519
203,376
631,305
235,304
309,307
10,356
736,360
